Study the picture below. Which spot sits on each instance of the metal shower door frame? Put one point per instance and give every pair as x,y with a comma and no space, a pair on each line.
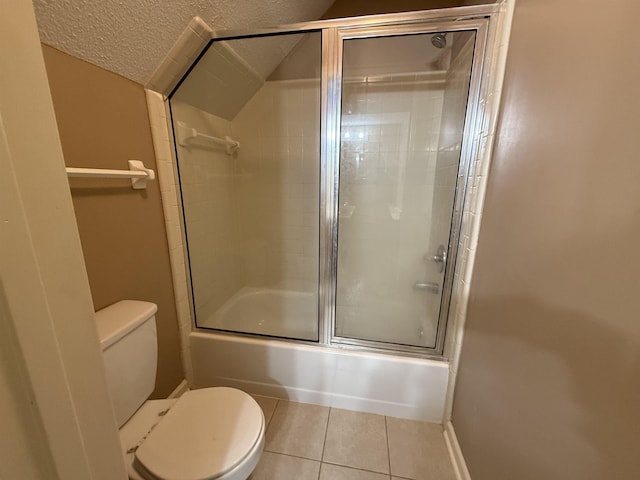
480,18
332,49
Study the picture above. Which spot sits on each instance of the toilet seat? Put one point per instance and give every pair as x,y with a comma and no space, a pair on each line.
206,435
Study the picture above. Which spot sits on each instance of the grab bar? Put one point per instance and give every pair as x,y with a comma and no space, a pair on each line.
137,172
187,133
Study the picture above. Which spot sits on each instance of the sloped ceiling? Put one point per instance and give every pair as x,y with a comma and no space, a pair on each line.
131,37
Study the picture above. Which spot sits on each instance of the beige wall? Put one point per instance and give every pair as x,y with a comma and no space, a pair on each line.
548,382
103,122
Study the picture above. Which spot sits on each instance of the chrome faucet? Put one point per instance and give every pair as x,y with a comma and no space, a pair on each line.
440,258
427,287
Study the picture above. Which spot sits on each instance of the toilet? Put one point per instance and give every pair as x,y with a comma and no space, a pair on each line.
211,433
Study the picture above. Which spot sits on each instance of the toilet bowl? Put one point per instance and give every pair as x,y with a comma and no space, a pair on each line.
213,433
206,434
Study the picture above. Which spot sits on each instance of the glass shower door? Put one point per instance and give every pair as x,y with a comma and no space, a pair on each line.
247,127
404,101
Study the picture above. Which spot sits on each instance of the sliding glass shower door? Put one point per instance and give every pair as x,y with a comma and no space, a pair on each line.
404,100
322,174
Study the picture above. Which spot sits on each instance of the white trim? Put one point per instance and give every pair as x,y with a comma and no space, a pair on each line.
183,53
455,453
64,425
166,164
183,387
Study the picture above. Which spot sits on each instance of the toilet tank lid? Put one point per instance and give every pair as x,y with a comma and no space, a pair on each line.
116,320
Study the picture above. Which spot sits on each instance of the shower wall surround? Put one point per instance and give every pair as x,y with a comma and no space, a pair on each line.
387,183
279,130
454,104
253,216
210,184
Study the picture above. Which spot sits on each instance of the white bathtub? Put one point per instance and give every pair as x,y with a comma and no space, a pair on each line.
293,314
385,384
278,313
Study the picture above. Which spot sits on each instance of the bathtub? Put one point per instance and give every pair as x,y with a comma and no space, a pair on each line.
385,384
279,313
293,314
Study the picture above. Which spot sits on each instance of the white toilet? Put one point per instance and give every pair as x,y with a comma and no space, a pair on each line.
212,433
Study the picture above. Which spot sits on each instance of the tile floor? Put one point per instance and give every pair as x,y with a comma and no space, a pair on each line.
305,442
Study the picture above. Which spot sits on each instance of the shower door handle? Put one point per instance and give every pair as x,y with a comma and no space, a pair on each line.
427,287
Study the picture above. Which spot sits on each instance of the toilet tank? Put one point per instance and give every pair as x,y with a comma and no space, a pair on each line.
128,338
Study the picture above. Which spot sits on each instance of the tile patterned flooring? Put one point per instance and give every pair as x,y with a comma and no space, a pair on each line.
310,442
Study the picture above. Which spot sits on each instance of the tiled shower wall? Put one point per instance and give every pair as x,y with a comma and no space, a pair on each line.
209,180
278,194
456,90
455,102
252,217
386,203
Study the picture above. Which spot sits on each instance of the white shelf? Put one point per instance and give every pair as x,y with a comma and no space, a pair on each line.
137,172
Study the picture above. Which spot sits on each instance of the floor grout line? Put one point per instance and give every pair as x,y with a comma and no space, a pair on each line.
331,463
324,442
356,468
270,420
293,456
273,413
386,434
319,463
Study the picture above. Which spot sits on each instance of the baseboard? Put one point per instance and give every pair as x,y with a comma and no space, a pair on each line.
459,464
179,390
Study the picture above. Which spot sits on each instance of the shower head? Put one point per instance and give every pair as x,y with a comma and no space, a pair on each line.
439,40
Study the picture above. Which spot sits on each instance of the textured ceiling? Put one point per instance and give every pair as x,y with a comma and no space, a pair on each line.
131,37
